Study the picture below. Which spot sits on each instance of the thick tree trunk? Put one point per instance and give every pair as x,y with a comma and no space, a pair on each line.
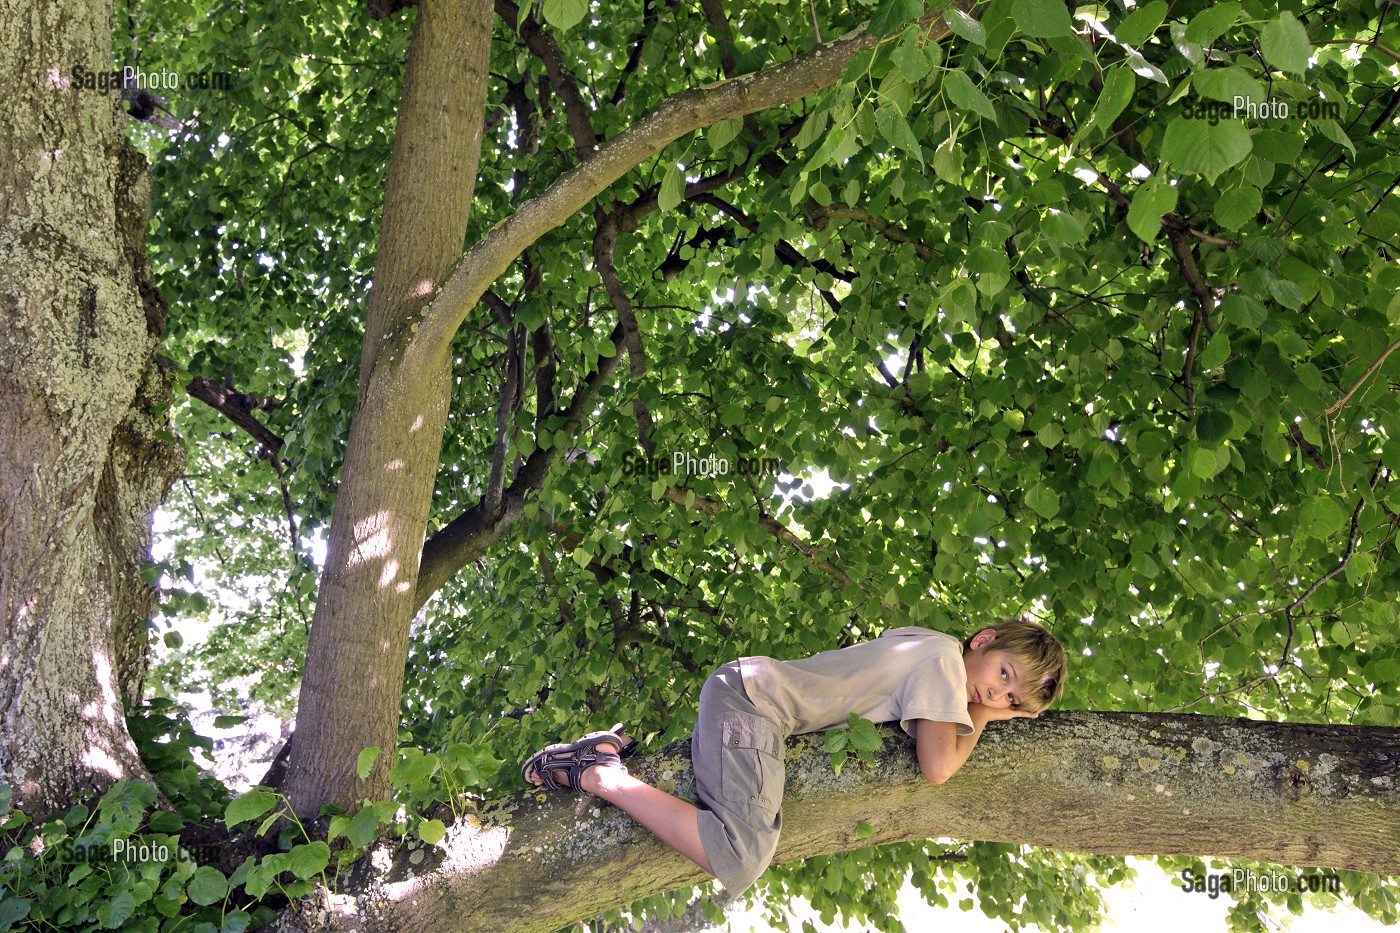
1114,783
353,681
84,460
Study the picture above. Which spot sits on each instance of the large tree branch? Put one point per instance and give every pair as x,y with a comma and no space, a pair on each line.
238,407
1111,783
680,114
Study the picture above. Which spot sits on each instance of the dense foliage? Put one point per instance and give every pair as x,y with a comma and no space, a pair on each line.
1069,336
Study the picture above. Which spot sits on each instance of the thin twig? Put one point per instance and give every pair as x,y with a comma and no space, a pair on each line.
1337,406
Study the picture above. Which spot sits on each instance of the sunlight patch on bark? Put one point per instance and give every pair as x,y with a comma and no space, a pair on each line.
372,539
96,759
387,575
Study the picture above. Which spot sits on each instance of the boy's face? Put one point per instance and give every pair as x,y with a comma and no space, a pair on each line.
993,675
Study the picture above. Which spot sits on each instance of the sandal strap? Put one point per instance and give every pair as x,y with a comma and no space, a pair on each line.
572,758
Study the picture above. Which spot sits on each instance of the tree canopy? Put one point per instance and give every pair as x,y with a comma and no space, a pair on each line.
1028,313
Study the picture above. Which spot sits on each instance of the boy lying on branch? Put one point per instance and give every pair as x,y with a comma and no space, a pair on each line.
942,693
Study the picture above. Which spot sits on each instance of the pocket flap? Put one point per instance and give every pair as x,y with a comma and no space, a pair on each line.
751,732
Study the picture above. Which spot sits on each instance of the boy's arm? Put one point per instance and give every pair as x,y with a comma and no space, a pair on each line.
942,751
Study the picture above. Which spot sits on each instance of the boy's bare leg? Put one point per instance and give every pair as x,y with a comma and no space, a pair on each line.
674,821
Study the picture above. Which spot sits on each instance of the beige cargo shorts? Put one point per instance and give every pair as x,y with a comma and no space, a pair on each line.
737,754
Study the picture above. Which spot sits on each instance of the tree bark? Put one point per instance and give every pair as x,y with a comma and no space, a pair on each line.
86,459
1112,783
353,681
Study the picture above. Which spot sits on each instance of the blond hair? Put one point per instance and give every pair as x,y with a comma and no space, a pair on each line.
1041,657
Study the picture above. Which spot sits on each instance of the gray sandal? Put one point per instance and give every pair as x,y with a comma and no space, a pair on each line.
574,758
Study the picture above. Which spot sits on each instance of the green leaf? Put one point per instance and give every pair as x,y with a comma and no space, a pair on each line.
672,188
1225,84
966,95
1212,427
228,722
236,921
1137,26
115,912
1064,227
249,806
1196,146
864,830
431,831
1118,86
309,859
206,886
163,821
1340,635
893,14
1216,353
1285,44
1210,24
897,132
965,26
365,762
1045,501
1042,18
1332,131
1153,199
414,771
173,640
12,911
1286,293
913,63
1323,517
564,14
1143,68
363,828
1203,463
812,129
1237,207
948,163
1278,146
722,134
863,733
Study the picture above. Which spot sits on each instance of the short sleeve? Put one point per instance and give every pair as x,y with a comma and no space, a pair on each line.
936,690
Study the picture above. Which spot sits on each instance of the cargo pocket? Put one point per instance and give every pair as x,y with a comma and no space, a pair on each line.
751,763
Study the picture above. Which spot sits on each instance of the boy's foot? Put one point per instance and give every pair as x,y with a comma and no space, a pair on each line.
566,766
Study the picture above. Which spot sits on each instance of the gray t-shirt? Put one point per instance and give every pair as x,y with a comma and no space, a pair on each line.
905,674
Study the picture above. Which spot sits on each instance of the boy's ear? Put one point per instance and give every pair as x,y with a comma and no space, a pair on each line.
983,638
